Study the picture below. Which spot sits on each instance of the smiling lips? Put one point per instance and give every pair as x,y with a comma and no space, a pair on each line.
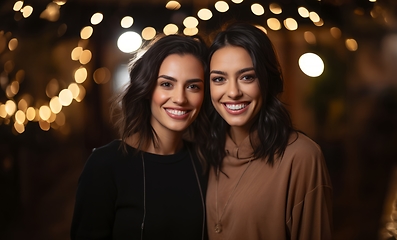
236,108
177,113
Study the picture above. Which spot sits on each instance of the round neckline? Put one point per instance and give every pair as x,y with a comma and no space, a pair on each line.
159,158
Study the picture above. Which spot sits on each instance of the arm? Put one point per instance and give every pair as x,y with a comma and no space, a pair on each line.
310,195
95,199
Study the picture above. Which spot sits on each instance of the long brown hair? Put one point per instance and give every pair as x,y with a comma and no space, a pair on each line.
132,107
272,124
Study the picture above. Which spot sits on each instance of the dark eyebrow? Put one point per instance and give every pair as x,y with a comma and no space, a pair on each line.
239,71
218,72
174,79
167,77
245,70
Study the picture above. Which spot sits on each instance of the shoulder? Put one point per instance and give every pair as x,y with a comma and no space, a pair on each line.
105,155
306,161
300,145
304,156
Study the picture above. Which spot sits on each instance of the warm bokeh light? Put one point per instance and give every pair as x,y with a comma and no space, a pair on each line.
52,88
335,32
96,18
261,28
190,31
85,57
80,75
291,24
303,12
190,22
76,52
22,105
55,105
314,17
74,89
148,33
65,97
20,128
14,87
9,93
173,5
221,6
311,64
13,44
60,120
129,42
237,1
31,114
274,24
10,107
204,14
102,75
351,44
44,112
257,9
60,2
52,117
20,75
9,66
27,11
319,23
275,8
3,112
126,22
81,94
51,13
86,32
170,29
17,6
44,125
20,117
310,37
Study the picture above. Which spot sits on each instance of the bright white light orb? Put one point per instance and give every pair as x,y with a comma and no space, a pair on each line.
311,64
129,42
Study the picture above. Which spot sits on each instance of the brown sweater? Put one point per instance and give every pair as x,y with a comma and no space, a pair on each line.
290,200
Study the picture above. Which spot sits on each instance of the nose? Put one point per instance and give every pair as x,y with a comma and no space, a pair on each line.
179,96
233,90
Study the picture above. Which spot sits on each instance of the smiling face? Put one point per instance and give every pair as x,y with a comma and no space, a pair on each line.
234,86
178,95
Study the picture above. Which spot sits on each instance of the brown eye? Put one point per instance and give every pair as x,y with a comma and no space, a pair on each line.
166,84
217,79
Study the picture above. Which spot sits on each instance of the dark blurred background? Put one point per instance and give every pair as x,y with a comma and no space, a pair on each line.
60,67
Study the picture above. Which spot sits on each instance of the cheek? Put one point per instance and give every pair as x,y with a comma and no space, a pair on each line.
158,97
214,92
197,100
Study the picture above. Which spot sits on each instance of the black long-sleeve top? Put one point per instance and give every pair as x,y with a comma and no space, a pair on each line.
110,196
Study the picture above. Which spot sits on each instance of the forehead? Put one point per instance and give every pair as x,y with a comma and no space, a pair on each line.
231,56
180,61
185,66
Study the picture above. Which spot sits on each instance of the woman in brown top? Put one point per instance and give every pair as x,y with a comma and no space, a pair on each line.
267,180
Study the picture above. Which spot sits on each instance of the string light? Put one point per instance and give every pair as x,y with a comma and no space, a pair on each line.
102,75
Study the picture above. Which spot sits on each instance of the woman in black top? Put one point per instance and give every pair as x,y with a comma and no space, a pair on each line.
150,184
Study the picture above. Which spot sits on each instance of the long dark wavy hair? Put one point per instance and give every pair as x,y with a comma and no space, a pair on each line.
131,108
273,123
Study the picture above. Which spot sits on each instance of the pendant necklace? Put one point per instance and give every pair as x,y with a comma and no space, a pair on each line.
218,224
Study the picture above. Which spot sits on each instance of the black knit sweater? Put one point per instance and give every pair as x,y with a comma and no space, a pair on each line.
110,196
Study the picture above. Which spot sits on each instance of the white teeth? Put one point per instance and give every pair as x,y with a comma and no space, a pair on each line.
236,106
176,112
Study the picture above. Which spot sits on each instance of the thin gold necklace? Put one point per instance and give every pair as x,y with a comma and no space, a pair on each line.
218,224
